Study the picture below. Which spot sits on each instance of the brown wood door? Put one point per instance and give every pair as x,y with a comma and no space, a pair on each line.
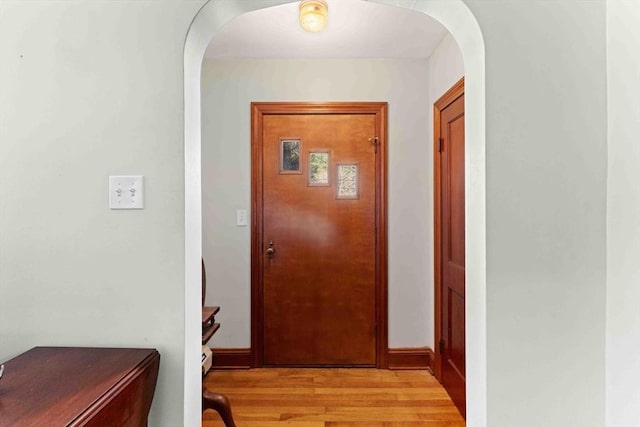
451,243
318,239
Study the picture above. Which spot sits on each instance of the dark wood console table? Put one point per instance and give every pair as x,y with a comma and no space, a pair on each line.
76,386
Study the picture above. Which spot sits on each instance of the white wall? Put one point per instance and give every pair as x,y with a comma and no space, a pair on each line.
446,67
546,165
89,89
623,209
228,88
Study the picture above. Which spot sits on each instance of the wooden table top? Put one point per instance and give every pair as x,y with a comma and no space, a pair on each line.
50,386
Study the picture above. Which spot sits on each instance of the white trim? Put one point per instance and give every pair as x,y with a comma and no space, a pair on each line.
458,19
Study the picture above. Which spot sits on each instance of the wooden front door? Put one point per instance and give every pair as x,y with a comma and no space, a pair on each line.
318,184
450,243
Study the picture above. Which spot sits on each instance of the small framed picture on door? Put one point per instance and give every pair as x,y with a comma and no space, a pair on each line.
290,156
347,181
318,170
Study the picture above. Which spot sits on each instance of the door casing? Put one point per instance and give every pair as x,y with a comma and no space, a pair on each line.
258,111
445,100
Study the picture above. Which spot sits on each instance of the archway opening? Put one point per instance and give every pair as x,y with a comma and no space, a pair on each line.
459,21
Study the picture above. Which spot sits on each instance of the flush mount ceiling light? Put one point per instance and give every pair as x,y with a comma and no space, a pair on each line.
313,15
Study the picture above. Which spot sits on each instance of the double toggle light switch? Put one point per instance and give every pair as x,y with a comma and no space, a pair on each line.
126,192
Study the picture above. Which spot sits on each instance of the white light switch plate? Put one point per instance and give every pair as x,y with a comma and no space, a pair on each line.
126,192
241,218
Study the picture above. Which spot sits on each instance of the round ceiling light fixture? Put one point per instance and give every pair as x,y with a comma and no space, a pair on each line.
313,15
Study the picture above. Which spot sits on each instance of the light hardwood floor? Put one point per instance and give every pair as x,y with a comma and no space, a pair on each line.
332,398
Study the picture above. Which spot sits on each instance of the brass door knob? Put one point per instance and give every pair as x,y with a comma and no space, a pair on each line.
271,250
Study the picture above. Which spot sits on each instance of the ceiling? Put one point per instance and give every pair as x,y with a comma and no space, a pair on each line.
355,29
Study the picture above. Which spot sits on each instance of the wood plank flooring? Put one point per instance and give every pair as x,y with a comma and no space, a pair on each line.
332,397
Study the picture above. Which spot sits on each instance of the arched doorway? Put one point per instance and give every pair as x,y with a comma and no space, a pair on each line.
457,18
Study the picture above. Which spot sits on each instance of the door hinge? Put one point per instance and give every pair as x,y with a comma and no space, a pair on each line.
375,141
440,144
441,346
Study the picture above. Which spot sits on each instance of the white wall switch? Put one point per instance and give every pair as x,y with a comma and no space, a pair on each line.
126,192
241,218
